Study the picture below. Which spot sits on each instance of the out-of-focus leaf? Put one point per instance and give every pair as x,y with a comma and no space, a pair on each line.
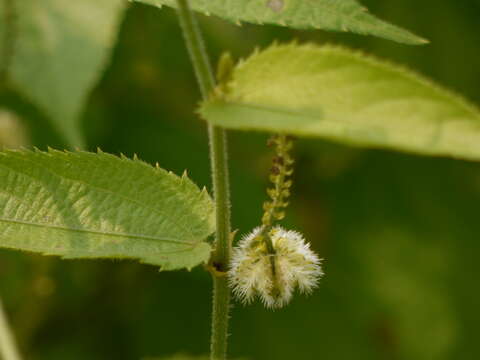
345,15
12,131
86,205
55,51
337,94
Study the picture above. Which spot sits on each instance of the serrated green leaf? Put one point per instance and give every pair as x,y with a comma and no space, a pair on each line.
337,94
334,15
55,51
86,205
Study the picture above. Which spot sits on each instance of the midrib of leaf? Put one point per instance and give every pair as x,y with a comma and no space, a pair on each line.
119,234
272,110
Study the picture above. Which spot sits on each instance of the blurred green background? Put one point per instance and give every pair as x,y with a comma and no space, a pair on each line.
398,233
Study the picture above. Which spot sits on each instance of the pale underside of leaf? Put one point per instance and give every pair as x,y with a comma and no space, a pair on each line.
338,94
57,53
86,205
335,15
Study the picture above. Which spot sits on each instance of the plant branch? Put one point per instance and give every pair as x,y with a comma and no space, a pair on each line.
218,159
8,349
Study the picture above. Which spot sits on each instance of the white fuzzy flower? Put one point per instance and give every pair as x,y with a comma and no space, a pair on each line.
273,277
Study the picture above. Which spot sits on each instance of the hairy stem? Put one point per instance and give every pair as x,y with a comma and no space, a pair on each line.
8,349
218,159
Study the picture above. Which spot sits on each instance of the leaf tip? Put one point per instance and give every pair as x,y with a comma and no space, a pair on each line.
423,41
415,40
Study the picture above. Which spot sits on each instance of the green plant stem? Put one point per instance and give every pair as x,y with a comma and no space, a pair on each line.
8,349
218,159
